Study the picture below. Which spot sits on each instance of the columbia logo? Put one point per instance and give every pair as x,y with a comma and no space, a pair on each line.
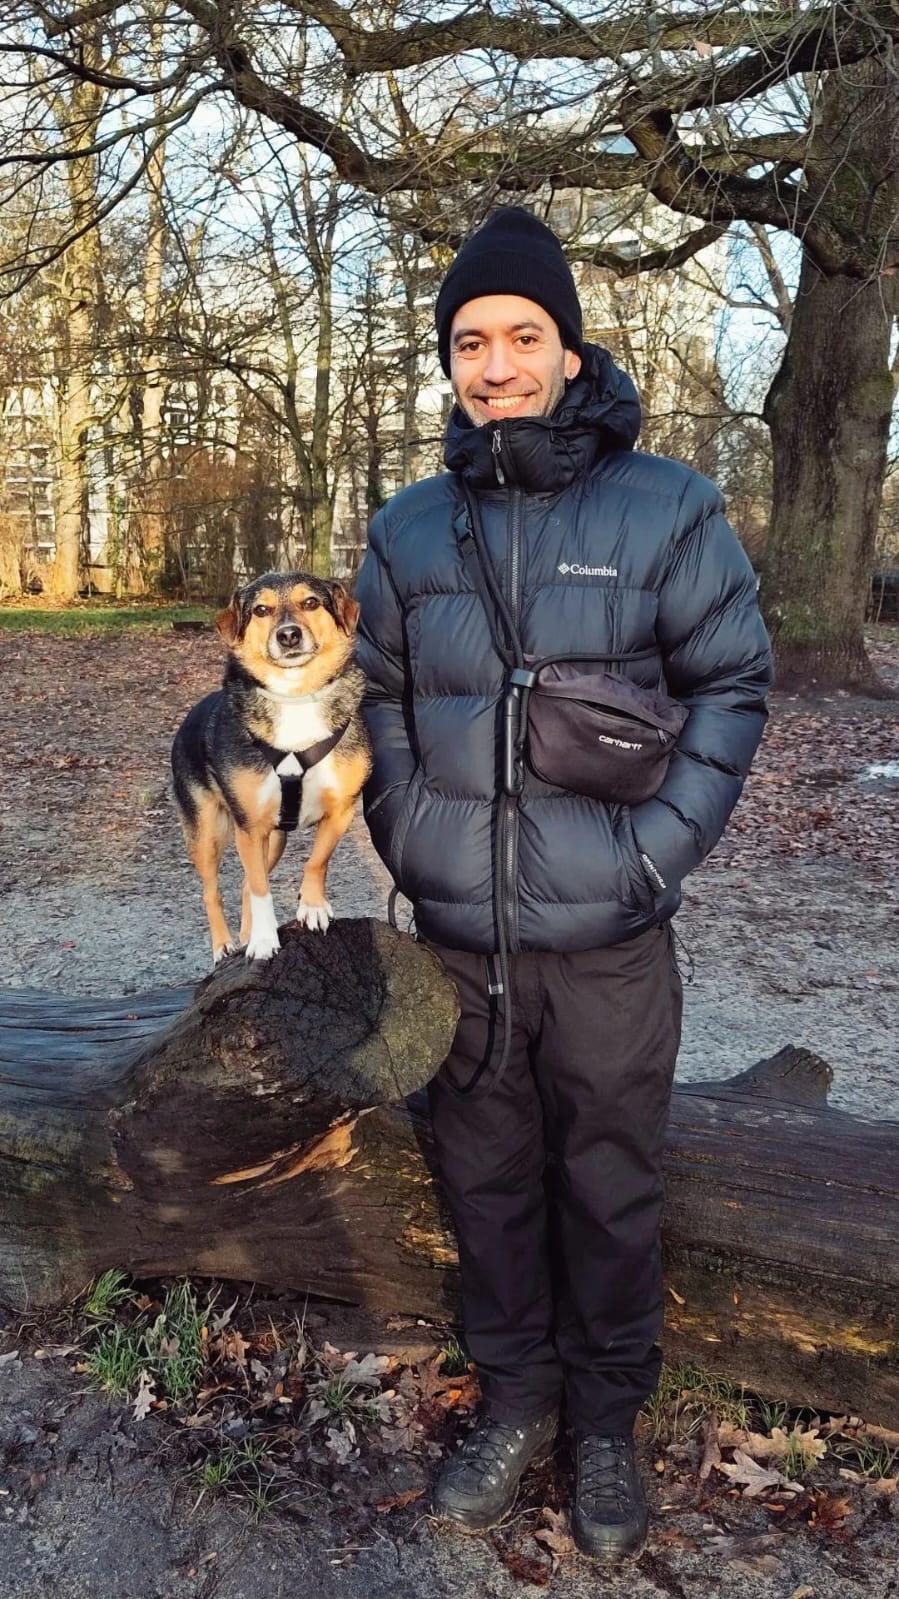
587,571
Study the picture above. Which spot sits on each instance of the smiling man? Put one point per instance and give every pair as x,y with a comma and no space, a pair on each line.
550,909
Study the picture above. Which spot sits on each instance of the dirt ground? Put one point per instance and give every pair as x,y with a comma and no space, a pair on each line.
791,930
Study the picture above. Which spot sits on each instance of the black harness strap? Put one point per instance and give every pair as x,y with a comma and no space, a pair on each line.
292,782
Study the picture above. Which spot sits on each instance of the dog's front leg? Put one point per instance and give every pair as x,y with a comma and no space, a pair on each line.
252,846
313,910
276,842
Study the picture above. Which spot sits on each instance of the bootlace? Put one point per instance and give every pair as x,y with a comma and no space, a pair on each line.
602,1469
487,1450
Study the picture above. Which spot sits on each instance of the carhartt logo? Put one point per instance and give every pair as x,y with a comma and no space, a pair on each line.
587,571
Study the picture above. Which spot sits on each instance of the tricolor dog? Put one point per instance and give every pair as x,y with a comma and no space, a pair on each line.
282,742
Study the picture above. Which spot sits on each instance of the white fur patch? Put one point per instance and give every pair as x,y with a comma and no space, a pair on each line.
264,942
298,724
289,767
317,918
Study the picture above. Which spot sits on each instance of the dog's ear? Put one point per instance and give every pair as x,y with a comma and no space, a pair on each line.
229,622
346,609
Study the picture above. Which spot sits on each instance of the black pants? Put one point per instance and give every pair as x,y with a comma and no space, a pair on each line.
554,1179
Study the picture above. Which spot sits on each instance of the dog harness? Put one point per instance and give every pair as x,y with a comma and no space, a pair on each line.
290,768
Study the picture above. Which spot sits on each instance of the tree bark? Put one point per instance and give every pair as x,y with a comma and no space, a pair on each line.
830,405
256,1134
80,290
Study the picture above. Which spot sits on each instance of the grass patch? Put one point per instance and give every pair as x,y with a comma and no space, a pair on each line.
90,618
455,1358
104,1296
686,1395
171,1350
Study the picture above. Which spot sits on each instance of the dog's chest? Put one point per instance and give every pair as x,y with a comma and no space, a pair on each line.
297,727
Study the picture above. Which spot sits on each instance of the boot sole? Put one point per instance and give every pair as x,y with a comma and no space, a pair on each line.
458,1519
609,1553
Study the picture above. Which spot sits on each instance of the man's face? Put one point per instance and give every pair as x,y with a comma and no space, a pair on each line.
507,359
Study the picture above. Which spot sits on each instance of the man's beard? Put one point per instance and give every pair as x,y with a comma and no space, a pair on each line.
551,398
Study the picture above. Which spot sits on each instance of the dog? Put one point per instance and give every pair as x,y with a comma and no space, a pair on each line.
281,742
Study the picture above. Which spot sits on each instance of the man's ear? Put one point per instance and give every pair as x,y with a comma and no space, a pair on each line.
346,608
228,622
573,364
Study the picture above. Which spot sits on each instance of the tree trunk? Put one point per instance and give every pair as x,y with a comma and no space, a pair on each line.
80,289
830,404
235,1137
829,412
148,558
74,413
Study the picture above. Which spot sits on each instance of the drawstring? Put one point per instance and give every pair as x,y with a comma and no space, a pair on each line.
691,966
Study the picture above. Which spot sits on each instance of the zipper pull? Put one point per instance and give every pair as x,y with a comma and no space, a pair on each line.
496,447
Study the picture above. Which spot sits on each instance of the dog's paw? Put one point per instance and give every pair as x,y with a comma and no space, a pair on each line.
316,917
222,953
262,946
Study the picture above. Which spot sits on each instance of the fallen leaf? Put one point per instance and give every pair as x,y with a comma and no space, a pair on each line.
524,1568
872,1485
829,1511
757,1479
368,1371
556,1535
803,1593
397,1501
146,1393
219,1323
803,1439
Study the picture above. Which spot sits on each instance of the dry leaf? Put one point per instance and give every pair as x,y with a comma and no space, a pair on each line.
752,1443
368,1371
872,1485
524,1568
146,1393
219,1323
757,1479
702,48
806,1440
829,1511
397,1501
557,1535
803,1593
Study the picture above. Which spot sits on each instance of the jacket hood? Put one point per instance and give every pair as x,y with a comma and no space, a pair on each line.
598,412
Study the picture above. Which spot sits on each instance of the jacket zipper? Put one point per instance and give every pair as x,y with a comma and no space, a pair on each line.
511,805
496,445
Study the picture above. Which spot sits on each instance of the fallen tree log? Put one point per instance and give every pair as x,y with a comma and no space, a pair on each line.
253,1131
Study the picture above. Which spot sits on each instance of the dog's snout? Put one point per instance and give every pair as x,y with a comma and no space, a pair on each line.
289,636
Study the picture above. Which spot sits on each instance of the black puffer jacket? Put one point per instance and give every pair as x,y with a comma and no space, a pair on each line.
597,547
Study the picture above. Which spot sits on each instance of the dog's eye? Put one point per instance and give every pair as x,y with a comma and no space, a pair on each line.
310,603
262,610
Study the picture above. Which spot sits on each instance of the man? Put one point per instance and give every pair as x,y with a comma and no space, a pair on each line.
553,1166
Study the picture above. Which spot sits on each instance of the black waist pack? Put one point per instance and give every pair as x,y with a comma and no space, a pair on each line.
596,732
580,725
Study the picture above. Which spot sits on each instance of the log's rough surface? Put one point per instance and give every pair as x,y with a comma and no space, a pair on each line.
271,1127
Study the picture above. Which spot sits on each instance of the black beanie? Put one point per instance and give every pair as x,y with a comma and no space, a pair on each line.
513,253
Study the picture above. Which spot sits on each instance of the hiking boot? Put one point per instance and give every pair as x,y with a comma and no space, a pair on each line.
610,1515
479,1483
